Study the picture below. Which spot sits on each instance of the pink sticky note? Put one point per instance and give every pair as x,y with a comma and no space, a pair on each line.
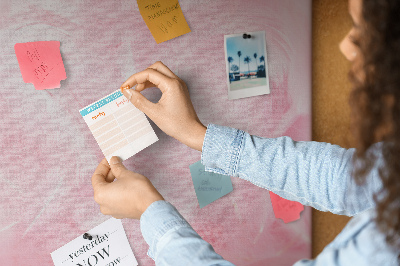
41,63
286,210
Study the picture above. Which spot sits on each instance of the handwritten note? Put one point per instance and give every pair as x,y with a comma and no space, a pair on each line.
209,186
108,246
164,18
41,63
284,209
118,126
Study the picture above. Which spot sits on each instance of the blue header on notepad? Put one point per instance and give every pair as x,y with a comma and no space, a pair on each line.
100,103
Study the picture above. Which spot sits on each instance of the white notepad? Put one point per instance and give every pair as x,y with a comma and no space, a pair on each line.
118,126
108,246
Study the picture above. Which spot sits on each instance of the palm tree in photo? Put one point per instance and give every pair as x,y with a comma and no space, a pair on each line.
239,55
247,60
230,60
261,72
234,68
255,59
262,59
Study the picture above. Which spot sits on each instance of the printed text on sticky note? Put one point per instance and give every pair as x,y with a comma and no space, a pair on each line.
284,209
41,63
108,246
164,18
209,186
118,126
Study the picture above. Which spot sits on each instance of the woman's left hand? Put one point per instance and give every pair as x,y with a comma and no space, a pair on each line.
126,197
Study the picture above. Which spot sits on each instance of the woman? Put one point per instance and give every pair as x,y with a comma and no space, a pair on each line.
316,174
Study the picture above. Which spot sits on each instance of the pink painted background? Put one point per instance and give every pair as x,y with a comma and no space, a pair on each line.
48,154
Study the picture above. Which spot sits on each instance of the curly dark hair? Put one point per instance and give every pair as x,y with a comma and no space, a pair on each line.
375,102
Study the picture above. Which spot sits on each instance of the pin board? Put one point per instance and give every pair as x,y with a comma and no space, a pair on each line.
48,154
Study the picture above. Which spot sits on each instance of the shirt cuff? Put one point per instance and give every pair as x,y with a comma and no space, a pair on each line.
159,218
222,148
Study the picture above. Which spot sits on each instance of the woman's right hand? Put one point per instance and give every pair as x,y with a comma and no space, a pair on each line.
174,112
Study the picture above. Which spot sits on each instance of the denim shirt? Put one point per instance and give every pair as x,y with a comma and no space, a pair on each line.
312,173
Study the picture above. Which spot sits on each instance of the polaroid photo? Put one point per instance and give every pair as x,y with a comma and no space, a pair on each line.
246,64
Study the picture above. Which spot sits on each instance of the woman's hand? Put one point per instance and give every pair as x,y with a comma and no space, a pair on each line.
174,113
128,196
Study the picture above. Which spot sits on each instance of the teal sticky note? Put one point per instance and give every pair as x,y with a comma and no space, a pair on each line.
209,186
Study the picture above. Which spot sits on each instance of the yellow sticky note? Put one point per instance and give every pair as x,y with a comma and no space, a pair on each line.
164,18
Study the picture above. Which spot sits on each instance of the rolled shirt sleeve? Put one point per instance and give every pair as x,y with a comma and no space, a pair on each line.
316,174
172,241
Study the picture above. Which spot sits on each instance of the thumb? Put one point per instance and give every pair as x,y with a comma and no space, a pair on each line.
117,167
138,100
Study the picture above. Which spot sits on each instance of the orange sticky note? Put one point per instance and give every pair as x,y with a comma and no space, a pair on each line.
284,209
41,63
164,18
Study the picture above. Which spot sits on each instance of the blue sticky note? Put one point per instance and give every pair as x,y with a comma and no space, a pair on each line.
209,186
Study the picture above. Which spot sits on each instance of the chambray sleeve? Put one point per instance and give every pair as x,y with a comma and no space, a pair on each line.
313,173
172,241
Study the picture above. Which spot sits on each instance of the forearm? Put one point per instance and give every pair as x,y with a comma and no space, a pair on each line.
312,173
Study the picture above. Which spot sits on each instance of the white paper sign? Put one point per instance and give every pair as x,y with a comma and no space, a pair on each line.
118,126
108,247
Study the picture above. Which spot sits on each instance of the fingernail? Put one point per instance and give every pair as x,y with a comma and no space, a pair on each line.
115,160
129,92
124,88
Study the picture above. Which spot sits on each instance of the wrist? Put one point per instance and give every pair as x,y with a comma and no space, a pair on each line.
196,136
149,198
148,204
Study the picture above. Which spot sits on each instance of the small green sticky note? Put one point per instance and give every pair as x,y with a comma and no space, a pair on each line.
209,186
